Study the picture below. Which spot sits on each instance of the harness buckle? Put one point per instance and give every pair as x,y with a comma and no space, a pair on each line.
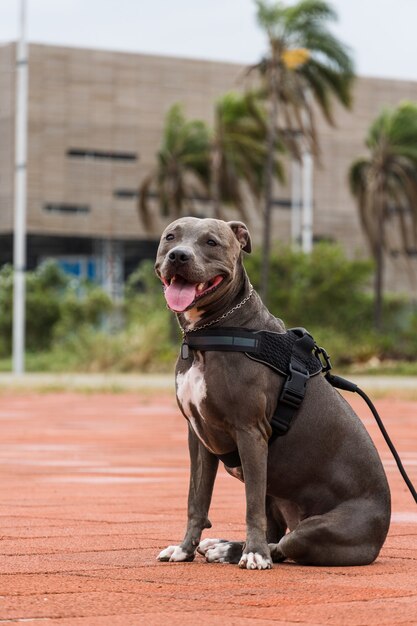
293,390
323,357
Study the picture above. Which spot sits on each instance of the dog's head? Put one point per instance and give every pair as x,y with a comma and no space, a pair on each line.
197,260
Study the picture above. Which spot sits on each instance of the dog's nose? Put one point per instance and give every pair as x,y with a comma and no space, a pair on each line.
179,255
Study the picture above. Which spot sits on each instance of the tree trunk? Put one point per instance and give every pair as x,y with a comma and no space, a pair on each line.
268,183
379,278
215,181
379,271
215,167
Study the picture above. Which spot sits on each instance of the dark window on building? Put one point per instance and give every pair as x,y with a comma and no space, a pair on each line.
63,207
282,203
411,252
125,193
87,153
133,193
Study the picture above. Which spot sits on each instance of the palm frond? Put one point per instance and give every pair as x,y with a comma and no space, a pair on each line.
240,143
391,172
359,176
268,15
325,82
326,74
308,11
325,47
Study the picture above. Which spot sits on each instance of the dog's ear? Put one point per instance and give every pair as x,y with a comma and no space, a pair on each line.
242,235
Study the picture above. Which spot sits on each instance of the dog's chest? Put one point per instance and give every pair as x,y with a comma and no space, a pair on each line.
191,394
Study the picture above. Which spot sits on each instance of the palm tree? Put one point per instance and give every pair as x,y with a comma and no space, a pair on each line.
220,166
182,172
238,152
305,63
385,186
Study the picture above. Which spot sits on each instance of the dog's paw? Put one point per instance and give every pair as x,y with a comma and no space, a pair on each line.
254,560
174,553
207,544
219,552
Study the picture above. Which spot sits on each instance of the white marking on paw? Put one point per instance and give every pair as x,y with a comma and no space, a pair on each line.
172,553
206,544
253,560
218,553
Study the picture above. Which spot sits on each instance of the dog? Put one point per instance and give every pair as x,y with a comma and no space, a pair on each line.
318,495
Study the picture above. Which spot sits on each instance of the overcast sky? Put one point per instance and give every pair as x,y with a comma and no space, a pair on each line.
381,33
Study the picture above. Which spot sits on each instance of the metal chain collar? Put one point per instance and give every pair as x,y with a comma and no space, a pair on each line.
218,319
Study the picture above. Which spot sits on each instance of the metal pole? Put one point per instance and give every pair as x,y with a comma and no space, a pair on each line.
19,243
295,203
307,184
307,216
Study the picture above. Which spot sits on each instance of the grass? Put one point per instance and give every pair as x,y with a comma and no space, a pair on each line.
59,362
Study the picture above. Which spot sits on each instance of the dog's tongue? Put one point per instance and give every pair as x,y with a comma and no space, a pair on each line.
180,295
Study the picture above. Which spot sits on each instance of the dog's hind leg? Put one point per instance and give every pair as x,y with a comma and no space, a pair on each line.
275,529
350,534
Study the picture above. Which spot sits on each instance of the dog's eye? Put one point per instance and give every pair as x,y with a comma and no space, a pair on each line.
211,242
169,237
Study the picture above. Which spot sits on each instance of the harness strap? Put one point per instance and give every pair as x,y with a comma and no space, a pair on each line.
294,388
267,347
289,354
224,340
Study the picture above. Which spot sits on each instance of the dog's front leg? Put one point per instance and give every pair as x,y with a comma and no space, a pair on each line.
253,451
203,472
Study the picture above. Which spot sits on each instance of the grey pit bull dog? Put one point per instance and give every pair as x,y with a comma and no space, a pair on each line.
317,495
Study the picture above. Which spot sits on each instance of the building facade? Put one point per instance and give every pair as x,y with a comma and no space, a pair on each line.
95,121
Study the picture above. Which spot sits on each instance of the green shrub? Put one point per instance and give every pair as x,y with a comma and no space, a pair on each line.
93,335
331,296
56,305
141,348
73,325
324,289
44,288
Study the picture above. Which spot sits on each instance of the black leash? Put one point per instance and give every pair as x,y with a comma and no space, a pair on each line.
346,385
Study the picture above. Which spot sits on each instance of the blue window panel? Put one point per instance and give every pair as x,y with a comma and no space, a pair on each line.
92,269
80,267
71,267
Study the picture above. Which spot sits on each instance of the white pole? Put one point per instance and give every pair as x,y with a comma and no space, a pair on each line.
295,203
19,243
307,184
307,214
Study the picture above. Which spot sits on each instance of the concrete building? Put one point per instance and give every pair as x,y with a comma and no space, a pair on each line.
95,122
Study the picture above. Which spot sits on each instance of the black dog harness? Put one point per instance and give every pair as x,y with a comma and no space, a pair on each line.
293,354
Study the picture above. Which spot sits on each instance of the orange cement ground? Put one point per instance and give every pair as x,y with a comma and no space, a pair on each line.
94,486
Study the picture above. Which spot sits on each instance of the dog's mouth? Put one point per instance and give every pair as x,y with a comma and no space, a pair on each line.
181,294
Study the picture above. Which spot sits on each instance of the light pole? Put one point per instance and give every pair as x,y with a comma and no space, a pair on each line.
295,203
307,210
307,181
19,241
